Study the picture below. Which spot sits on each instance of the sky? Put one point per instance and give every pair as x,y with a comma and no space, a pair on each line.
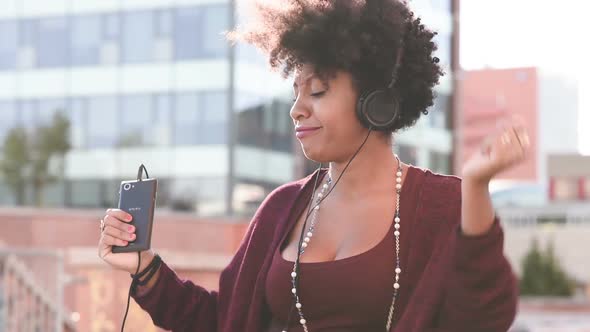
541,33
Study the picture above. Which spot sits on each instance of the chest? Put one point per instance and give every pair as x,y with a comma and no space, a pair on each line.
342,229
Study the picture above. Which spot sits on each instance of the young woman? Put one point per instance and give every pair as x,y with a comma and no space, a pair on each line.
368,243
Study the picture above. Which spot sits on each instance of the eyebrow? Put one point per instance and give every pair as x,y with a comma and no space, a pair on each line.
307,79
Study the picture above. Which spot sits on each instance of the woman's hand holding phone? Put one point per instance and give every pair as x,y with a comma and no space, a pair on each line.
118,232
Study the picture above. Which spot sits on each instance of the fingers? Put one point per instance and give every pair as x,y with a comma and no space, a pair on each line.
116,232
119,214
522,136
110,240
511,143
119,234
118,229
515,134
118,224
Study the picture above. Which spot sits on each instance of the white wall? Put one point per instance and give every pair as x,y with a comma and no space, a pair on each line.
558,118
179,162
144,78
170,161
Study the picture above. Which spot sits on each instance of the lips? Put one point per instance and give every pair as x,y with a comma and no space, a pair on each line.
306,128
303,131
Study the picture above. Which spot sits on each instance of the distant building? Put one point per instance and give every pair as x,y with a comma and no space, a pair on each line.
547,103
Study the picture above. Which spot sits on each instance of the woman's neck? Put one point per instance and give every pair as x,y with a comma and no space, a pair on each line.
372,170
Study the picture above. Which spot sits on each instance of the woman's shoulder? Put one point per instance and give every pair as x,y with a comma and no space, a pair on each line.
440,194
438,183
287,193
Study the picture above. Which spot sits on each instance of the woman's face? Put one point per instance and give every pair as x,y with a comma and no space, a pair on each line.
328,108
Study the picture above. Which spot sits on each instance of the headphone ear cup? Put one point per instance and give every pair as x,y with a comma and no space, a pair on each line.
378,109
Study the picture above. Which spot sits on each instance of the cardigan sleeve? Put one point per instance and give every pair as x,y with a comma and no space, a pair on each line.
179,305
480,290
481,293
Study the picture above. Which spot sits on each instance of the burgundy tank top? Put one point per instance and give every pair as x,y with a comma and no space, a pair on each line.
345,295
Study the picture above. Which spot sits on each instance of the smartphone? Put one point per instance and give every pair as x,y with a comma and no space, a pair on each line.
138,198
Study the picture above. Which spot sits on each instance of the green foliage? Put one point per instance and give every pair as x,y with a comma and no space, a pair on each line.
542,275
27,154
15,159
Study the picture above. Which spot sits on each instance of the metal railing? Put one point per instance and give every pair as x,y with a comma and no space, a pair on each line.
31,291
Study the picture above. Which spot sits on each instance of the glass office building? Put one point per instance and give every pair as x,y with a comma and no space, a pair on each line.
429,144
155,82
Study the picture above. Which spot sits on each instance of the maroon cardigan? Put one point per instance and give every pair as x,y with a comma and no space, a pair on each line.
450,282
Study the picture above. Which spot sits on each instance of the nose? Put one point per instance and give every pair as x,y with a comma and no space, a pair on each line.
299,110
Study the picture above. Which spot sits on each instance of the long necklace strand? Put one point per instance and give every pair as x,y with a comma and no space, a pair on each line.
309,235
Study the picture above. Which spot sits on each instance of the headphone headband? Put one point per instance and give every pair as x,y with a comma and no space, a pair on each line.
379,109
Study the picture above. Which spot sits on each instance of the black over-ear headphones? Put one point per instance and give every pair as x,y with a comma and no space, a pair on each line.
379,109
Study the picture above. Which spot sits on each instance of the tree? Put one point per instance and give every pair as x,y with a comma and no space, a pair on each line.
27,156
562,285
49,142
15,159
542,275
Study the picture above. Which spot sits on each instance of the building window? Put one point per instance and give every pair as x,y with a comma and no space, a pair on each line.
278,125
565,189
137,117
48,108
163,27
86,193
54,194
441,5
215,22
214,128
163,119
103,122
187,119
200,118
264,123
444,49
53,42
28,116
163,35
111,26
249,53
186,33
198,32
202,196
439,111
86,40
9,44
27,41
78,122
247,197
138,37
439,162
407,154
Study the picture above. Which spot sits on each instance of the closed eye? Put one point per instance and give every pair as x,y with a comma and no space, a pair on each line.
315,95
